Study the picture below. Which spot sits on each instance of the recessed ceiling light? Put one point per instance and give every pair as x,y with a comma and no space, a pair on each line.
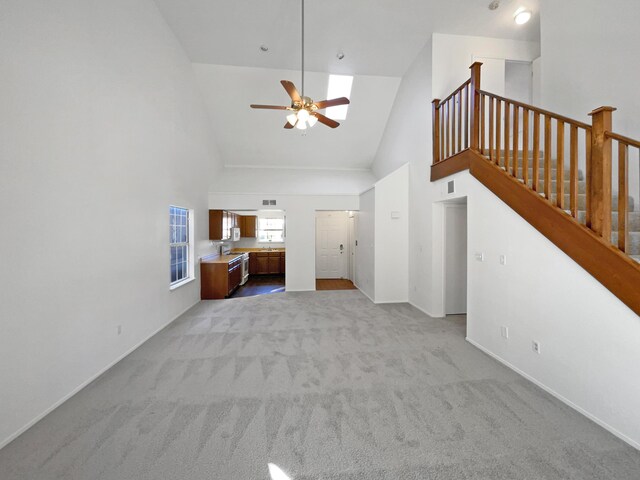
264,48
340,55
522,16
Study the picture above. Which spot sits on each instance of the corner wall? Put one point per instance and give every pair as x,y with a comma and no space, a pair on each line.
102,129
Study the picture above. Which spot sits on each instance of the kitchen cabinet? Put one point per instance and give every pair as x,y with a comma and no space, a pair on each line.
220,224
267,263
248,226
262,263
220,279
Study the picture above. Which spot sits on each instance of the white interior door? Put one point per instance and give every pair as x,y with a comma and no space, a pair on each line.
331,245
455,219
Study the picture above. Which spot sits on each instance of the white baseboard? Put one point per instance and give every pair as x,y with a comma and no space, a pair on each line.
566,401
424,310
364,293
39,417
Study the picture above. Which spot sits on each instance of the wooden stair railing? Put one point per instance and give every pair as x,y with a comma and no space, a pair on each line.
565,162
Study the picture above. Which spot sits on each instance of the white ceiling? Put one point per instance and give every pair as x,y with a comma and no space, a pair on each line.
248,137
380,40
378,37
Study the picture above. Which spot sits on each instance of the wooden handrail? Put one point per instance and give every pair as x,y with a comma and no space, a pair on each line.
541,111
621,138
455,92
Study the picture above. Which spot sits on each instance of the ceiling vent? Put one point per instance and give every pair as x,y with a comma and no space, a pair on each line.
268,202
451,187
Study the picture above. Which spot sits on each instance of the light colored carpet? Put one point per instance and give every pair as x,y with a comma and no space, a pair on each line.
326,385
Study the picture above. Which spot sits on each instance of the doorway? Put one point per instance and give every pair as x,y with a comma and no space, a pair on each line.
455,257
334,253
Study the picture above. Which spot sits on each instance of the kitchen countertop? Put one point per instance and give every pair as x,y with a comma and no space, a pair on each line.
222,259
253,250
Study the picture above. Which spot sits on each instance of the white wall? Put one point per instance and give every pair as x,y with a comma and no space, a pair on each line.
591,61
589,339
300,211
453,54
292,181
100,133
365,250
392,237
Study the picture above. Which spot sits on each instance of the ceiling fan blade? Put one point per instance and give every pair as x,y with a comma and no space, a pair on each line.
288,126
291,90
332,103
270,107
326,120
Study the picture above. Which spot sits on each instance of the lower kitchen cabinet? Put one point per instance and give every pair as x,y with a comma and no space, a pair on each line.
266,263
219,280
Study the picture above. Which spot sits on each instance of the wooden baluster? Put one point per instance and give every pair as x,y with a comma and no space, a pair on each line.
498,126
435,109
600,174
536,151
560,165
547,157
482,124
516,126
452,138
507,126
492,154
452,100
475,105
587,179
466,116
447,125
460,121
573,171
525,146
623,192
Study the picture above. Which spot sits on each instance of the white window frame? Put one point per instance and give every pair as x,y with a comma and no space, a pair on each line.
283,229
190,250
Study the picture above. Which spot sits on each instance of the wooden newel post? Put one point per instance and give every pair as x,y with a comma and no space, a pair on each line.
435,127
599,174
475,106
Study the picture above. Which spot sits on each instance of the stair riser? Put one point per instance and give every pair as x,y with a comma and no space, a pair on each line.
582,202
633,245
567,174
633,221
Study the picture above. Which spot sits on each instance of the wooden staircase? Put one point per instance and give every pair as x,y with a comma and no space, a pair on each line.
556,172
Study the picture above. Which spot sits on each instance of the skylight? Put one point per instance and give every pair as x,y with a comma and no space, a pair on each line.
339,86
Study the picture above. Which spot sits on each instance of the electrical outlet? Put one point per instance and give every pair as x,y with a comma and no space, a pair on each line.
119,329
504,331
535,346
503,259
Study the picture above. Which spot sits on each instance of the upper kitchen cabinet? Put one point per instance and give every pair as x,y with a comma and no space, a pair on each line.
248,226
217,224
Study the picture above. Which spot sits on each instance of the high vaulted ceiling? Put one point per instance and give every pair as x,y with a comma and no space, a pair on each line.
379,38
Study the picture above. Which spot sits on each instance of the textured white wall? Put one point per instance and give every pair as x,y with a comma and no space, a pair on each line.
589,339
365,251
392,237
100,133
592,61
292,181
301,227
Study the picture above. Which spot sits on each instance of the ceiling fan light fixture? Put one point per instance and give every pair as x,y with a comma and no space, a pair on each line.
522,16
292,119
312,121
303,115
301,125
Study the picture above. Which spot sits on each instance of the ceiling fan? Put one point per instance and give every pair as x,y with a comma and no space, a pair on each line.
304,111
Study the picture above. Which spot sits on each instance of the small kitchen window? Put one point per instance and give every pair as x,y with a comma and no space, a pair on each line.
180,245
271,230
